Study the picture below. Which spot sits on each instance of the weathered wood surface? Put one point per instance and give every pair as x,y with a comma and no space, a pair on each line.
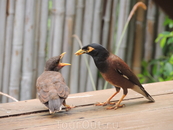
138,113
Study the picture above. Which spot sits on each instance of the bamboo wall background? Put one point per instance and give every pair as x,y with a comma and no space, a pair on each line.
31,31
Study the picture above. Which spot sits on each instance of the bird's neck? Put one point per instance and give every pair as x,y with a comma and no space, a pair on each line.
101,64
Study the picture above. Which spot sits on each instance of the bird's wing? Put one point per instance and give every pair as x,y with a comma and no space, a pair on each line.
50,85
123,69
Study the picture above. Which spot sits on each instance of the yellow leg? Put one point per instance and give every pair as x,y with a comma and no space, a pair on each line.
67,107
108,101
117,105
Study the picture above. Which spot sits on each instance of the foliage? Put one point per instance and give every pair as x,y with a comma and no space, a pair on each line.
162,68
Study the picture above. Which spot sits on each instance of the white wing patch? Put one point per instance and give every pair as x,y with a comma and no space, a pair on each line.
119,71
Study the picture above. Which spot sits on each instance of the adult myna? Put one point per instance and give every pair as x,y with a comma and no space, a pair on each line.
115,71
51,88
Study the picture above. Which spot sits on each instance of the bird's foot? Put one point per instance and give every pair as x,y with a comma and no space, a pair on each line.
68,107
116,106
105,103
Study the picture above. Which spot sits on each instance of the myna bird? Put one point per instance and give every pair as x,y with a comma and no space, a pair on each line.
115,71
51,88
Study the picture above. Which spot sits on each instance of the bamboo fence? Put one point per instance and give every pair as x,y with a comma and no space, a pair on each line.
31,31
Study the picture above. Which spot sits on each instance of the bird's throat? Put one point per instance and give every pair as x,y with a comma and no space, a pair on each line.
102,66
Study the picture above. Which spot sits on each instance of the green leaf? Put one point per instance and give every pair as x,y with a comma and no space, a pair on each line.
165,33
170,40
170,25
154,70
158,38
171,59
162,42
167,21
168,69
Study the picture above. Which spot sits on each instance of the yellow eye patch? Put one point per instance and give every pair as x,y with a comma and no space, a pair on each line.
90,49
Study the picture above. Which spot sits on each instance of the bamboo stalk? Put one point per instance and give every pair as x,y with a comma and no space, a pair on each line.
161,28
75,67
149,40
139,40
86,39
100,83
130,38
17,49
123,14
42,36
8,48
113,26
97,24
59,12
36,46
2,36
27,69
67,42
51,30
106,23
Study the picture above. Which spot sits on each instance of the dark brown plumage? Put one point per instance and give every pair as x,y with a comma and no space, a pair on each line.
115,71
51,88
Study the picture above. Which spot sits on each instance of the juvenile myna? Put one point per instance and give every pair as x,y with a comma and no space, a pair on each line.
115,71
51,88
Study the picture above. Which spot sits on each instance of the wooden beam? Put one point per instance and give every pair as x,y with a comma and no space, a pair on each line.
85,99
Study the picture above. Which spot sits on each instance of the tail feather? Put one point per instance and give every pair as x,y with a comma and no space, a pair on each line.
55,105
142,91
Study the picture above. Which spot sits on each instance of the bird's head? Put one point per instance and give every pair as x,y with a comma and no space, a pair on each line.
95,50
54,63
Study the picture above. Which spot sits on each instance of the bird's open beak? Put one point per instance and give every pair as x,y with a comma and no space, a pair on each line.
63,64
80,52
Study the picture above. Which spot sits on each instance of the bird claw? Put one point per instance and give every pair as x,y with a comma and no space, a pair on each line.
105,103
115,107
68,107
101,104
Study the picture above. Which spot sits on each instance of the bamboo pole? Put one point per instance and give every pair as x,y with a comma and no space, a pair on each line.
2,36
161,28
51,30
8,48
86,39
113,25
106,23
96,31
149,33
59,12
36,45
17,49
123,15
75,67
100,83
139,40
68,32
130,38
28,50
42,36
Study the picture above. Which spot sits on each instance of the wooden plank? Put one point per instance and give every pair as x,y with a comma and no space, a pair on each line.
137,114
83,99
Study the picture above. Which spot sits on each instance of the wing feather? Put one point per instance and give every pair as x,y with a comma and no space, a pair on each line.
50,85
123,69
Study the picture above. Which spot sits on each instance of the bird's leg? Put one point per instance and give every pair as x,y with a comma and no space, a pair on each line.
117,105
67,107
108,101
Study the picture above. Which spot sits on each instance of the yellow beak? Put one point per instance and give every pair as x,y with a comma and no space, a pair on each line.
61,56
80,52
